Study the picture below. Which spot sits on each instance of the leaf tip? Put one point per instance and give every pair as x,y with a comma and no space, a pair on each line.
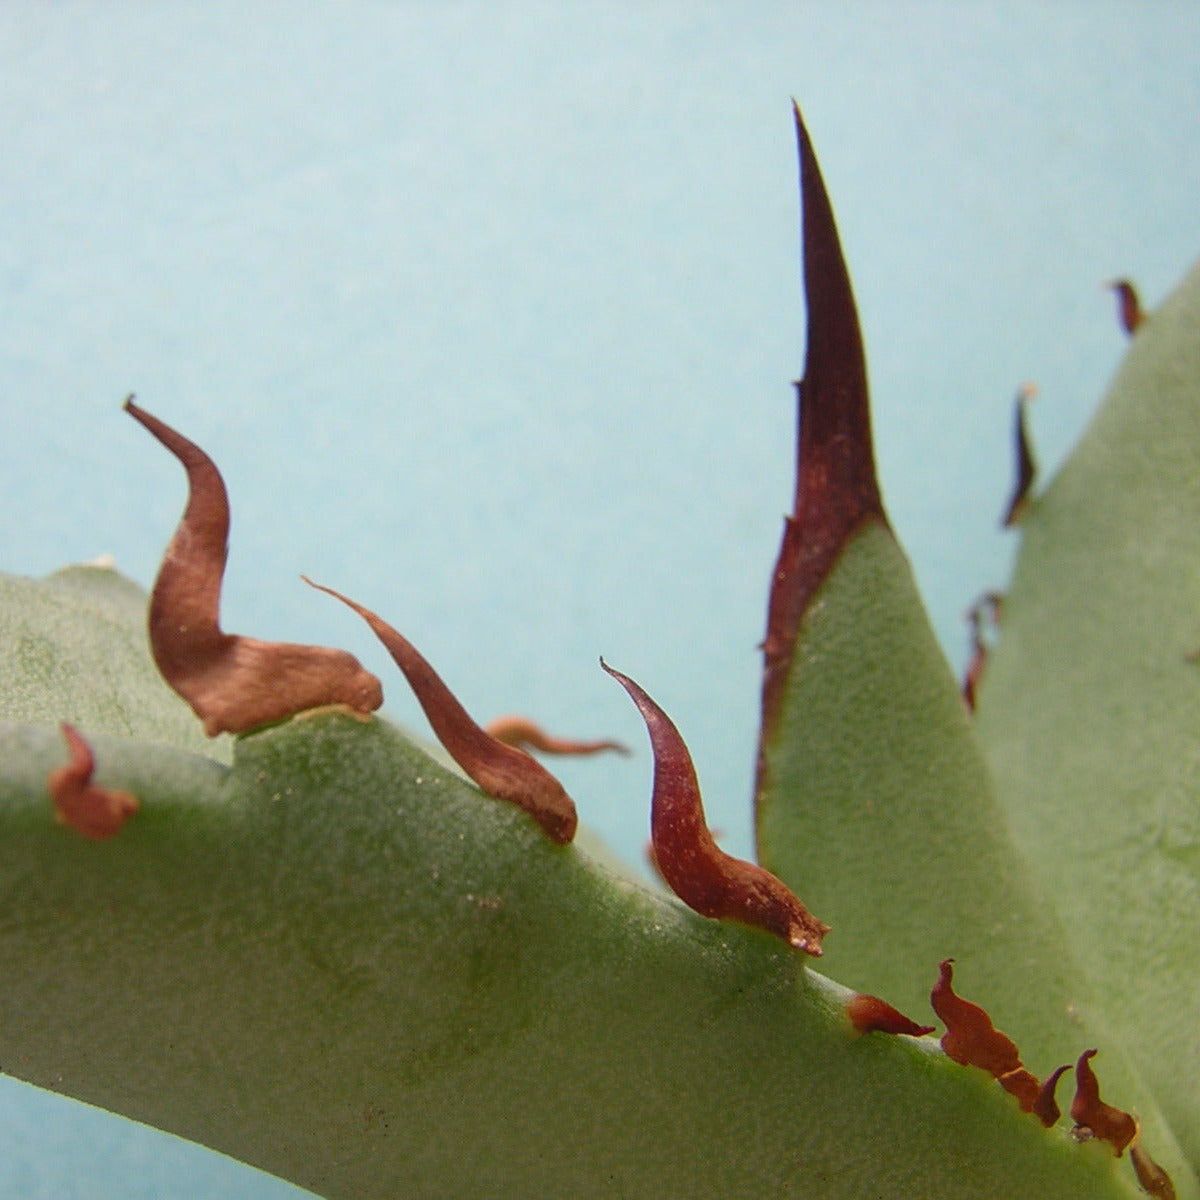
836,488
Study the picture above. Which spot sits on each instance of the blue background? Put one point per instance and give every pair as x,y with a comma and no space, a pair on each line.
489,315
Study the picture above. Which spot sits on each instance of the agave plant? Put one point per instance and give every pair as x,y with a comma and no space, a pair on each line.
377,971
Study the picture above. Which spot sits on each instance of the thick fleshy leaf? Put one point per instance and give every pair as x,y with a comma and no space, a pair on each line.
875,802
867,759
73,648
1090,706
881,815
341,963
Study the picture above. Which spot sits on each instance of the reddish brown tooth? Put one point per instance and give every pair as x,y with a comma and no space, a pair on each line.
1088,1111
1154,1180
975,668
94,811
232,683
703,876
1129,306
869,1014
1022,1084
525,735
500,770
1026,465
1046,1106
987,605
970,1037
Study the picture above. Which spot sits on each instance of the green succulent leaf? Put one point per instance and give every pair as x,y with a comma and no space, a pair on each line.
875,800
73,648
881,814
341,963
1089,705
316,949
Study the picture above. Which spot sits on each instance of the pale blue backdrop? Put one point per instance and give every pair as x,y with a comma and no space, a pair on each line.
489,314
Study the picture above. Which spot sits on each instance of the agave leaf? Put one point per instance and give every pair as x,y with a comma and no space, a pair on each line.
1089,707
880,812
73,648
875,802
882,817
339,962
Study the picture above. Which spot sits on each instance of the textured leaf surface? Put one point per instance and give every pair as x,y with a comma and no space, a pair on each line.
341,963
73,648
1089,708
873,801
882,816
881,813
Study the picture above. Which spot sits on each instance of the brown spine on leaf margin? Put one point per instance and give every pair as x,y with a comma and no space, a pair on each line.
1154,1180
1046,1107
973,1041
95,811
1088,1111
500,770
973,675
988,606
700,873
1025,462
1129,306
870,1014
526,735
232,683
836,486
970,1038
